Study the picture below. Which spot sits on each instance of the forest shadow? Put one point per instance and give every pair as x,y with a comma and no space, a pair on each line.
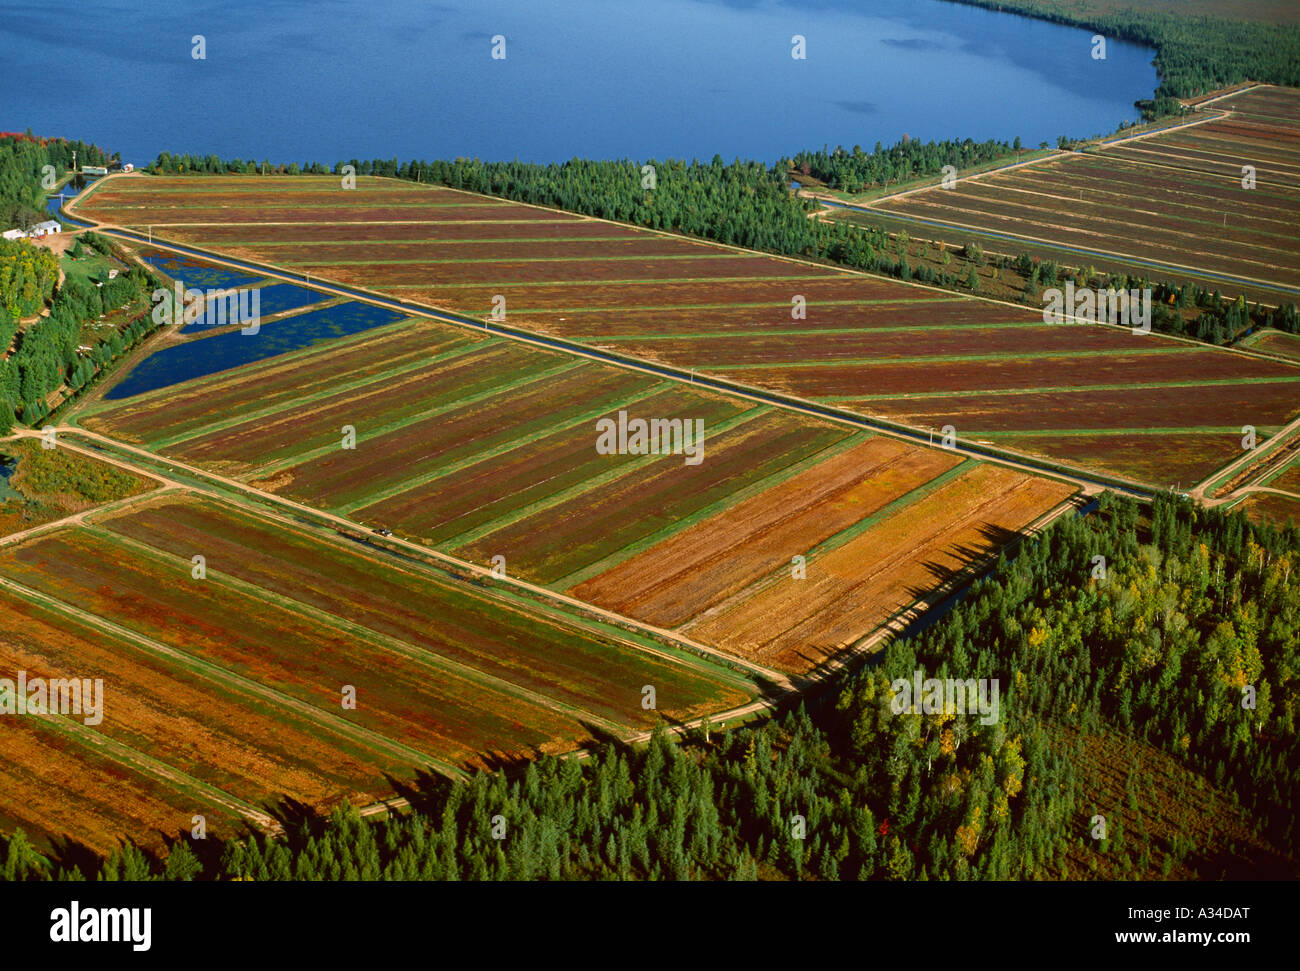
974,560
950,584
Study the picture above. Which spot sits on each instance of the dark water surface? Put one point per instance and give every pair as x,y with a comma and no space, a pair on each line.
221,352
329,81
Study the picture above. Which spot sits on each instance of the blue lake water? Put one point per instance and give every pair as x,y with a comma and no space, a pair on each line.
220,352
275,298
325,80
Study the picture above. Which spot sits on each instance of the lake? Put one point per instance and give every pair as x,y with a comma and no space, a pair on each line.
329,81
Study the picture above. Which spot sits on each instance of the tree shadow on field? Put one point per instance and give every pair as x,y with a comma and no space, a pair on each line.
975,561
425,791
294,814
68,854
600,737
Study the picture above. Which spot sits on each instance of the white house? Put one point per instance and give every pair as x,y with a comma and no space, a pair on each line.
13,234
45,229
128,167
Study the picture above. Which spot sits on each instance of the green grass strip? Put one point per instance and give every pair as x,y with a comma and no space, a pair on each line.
770,481
595,482
513,380
615,400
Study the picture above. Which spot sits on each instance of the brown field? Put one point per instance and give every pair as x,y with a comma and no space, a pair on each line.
194,405
260,236
692,571
1284,345
1271,508
796,624
67,794
296,430
498,251
918,316
1160,361
1225,406
340,212
422,447
539,467
484,454
591,676
1289,480
743,349
447,716
505,276
1170,458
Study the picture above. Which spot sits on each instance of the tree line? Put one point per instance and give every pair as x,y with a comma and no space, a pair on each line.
23,161
1221,321
1194,55
856,170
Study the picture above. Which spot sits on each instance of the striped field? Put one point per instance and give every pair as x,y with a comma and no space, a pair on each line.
1075,394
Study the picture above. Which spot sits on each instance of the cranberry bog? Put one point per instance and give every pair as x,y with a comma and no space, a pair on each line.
225,691
1220,195
174,741
488,451
922,541
1272,508
880,348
